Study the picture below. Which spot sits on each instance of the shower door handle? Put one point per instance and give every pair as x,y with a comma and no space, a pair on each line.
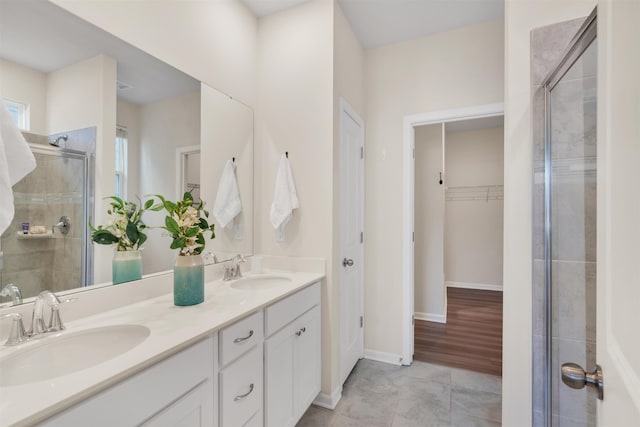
575,377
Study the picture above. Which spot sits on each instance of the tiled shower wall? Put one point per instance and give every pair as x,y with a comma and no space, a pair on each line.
53,189
574,250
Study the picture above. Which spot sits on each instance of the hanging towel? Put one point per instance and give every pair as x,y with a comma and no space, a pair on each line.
228,204
285,199
16,161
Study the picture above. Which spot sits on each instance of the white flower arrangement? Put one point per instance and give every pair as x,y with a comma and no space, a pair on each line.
125,227
186,224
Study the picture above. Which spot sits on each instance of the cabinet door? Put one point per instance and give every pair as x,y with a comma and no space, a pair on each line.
191,410
279,379
306,360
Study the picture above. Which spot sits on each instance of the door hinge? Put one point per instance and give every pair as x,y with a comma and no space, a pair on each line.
413,153
413,319
362,152
361,321
361,237
413,236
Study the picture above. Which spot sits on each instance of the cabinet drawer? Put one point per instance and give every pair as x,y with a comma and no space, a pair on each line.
241,389
240,337
285,311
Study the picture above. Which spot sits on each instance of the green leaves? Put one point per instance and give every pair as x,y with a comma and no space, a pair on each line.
171,225
186,223
126,225
103,237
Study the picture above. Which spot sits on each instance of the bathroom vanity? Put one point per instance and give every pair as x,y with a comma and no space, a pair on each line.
248,356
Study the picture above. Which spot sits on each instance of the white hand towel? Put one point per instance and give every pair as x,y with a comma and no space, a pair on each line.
285,198
16,161
228,204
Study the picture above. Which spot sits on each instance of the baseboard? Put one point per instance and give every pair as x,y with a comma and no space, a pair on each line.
467,285
380,356
330,402
430,317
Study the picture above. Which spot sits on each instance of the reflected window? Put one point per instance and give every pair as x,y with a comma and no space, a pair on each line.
121,162
19,112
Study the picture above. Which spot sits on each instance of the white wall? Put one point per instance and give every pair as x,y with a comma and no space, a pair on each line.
164,126
520,18
429,290
449,70
81,96
128,116
295,114
20,83
473,229
227,132
213,41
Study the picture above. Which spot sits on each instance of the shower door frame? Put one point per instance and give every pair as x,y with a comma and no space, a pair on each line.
88,196
577,46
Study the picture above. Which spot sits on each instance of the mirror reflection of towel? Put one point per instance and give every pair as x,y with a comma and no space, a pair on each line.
228,204
285,198
16,162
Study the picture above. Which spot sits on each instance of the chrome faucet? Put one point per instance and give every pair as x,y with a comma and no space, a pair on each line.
37,319
232,270
12,291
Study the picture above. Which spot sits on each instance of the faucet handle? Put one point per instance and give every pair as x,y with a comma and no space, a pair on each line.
55,321
17,333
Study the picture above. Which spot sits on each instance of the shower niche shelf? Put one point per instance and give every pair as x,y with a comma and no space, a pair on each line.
46,235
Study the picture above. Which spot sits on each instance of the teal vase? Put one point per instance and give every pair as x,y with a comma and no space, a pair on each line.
188,280
126,266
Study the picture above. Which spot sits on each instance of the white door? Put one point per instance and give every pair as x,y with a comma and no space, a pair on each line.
618,347
351,239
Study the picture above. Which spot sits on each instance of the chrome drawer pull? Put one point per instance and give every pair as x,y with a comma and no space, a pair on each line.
242,396
238,340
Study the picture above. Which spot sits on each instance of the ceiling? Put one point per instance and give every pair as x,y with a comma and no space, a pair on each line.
380,22
44,37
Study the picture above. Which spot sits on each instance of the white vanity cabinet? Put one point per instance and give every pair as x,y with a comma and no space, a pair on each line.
241,373
178,391
292,356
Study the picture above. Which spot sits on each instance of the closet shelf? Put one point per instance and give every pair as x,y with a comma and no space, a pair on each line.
474,193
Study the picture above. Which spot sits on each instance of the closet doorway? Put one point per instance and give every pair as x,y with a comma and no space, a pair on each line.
453,222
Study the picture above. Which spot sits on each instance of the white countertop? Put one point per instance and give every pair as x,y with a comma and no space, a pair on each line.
172,329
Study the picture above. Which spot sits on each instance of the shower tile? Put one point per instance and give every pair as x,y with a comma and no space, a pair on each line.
547,46
573,220
575,300
538,296
538,372
538,418
538,220
537,122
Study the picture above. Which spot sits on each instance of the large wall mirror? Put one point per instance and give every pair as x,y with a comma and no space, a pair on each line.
105,118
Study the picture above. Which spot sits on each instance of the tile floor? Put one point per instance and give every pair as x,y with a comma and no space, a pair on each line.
423,394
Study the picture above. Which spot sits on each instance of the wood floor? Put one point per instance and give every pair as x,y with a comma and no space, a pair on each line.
471,338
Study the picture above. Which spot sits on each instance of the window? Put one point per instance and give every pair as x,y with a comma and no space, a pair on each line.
121,162
19,111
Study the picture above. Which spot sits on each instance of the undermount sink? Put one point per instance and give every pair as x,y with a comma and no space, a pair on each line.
261,282
56,356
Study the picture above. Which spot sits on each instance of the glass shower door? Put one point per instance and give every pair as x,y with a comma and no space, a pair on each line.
52,257
571,237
